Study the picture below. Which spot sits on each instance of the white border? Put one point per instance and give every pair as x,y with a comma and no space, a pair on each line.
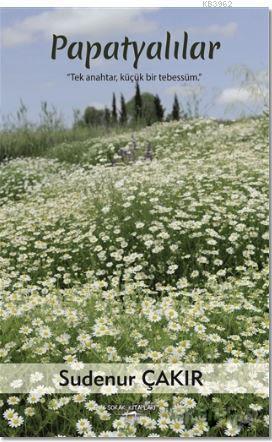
132,3
146,4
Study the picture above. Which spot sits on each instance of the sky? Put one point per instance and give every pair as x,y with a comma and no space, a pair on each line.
28,72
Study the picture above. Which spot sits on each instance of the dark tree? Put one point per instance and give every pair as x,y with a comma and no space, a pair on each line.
176,109
138,103
114,110
93,116
159,110
148,114
107,116
123,112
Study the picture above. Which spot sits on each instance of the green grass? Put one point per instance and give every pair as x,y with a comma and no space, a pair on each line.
37,141
88,236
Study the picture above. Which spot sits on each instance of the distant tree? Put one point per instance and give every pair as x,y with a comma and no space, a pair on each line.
176,109
76,117
159,110
148,114
123,112
114,110
50,119
138,102
93,116
107,116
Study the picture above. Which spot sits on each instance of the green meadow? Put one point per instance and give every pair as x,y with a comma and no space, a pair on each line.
140,245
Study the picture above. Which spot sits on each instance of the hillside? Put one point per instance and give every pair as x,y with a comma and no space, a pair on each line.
140,247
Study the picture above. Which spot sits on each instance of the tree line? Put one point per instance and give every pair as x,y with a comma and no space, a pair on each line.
143,108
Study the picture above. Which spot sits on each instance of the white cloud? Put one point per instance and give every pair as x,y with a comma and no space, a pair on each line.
184,91
236,95
227,30
89,22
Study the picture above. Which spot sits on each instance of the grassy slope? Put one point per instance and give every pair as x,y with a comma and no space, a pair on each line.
162,260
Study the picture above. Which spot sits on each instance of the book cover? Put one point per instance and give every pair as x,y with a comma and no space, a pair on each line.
134,222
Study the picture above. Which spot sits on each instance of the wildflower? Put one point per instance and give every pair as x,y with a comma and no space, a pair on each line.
9,414
83,426
15,421
177,426
232,429
91,405
13,400
29,411
16,383
255,407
